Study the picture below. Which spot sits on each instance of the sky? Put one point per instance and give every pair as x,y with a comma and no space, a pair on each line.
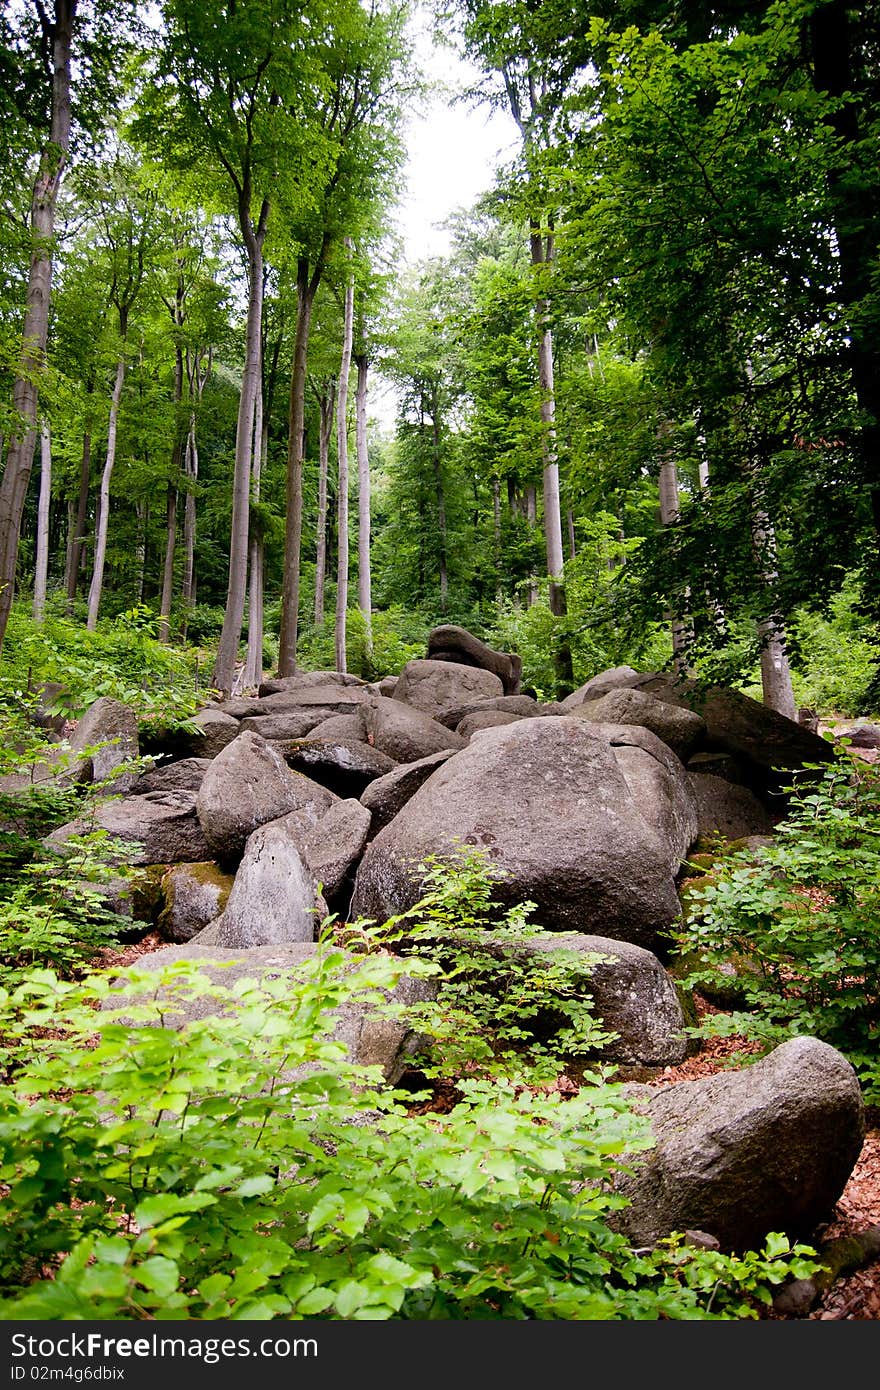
453,151
453,148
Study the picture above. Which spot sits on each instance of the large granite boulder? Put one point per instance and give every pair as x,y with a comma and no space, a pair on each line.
369,1039
632,995
307,680
332,846
680,729
433,686
110,729
616,678
185,775
451,643
546,801
723,808
658,783
193,894
273,900
215,730
248,784
389,794
769,746
159,828
344,768
484,719
407,735
324,700
769,1147
524,706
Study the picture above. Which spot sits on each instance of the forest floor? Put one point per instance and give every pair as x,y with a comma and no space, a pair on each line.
853,1297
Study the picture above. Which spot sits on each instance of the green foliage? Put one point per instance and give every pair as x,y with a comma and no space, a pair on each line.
500,1009
121,659
835,656
806,911
297,1187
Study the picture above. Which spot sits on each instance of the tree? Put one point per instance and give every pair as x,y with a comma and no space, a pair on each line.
342,488
232,91
101,35
358,118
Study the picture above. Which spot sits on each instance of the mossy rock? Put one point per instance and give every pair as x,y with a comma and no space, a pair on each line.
727,989
193,895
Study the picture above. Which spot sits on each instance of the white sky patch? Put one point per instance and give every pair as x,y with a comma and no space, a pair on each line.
454,148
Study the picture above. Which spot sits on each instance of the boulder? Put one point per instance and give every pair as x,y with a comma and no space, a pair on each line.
369,1040
405,734
306,680
484,719
389,794
184,775
273,900
451,643
110,728
331,847
347,727
288,724
344,768
194,894
864,736
769,1147
523,705
717,765
248,784
658,784
433,686
160,828
680,729
723,808
632,995
547,802
769,746
323,699
617,678
216,731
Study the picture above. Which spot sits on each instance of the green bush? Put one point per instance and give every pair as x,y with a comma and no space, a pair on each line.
500,1010
121,659
806,910
240,1167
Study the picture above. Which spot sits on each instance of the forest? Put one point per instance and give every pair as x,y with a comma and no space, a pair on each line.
636,427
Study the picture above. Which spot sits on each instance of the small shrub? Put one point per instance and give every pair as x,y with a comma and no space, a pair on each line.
806,911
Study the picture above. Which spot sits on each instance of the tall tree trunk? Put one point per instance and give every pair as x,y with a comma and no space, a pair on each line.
542,255
530,504
669,513
68,549
198,373
176,454
572,545
775,670
342,451
496,536
306,289
230,636
253,673
168,565
437,460
82,516
41,568
103,518
142,512
325,432
365,584
31,362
